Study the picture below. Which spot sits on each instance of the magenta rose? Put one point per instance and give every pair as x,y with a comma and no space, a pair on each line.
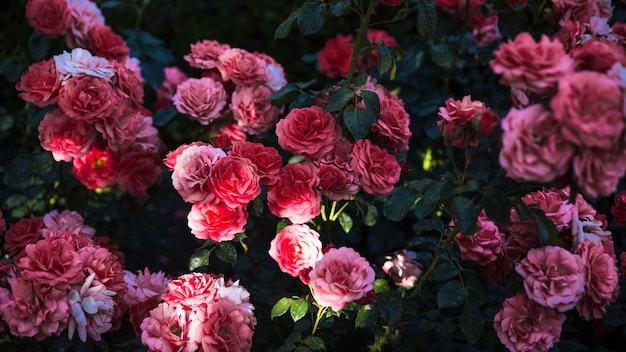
555,204
341,277
144,286
296,247
295,196
234,181
253,110
40,83
599,55
266,159
393,125
597,171
227,135
484,246
139,169
162,330
204,54
335,56
201,98
601,281
87,98
376,169
309,131
619,208
553,277
67,138
192,171
524,325
217,222
241,67
51,18
464,122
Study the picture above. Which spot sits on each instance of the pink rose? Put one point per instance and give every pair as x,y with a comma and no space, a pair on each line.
294,196
80,62
170,158
21,233
619,208
126,129
393,125
597,171
274,72
201,98
144,286
66,220
601,281
296,247
163,331
526,64
67,138
226,328
87,98
309,131
192,172
464,122
241,67
524,325
266,159
376,170
106,43
40,83
487,33
553,277
217,222
85,16
483,247
138,170
234,181
51,18
192,290
521,236
166,91
403,268
97,168
335,56
599,55
341,277
555,204
532,148
225,136
253,110
204,54
127,84
337,178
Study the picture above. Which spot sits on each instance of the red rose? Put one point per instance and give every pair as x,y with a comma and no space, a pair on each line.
87,98
295,195
108,44
138,170
234,181
40,83
309,131
266,159
21,233
96,169
336,56
51,18
619,208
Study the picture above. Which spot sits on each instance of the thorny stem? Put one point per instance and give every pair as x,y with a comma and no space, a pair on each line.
381,341
318,318
360,35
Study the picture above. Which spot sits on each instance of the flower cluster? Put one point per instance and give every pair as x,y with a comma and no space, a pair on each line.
464,122
483,20
580,71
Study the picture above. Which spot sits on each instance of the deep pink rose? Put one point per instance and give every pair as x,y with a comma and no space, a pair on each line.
553,277
296,247
337,178
521,236
139,169
166,91
497,271
170,158
464,122
97,168
127,84
524,325
619,208
555,205
526,64
484,246
23,232
335,56
201,98
51,18
129,128
235,181
393,125
601,281
66,137
161,330
570,35
108,44
599,55
403,268
217,222
309,131
226,328
66,220
253,110
144,286
341,277
295,196
85,16
192,170
191,290
266,159
87,98
376,169
532,148
597,171
241,67
227,135
40,83
204,53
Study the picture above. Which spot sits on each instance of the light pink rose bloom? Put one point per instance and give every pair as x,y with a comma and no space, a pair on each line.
266,159
393,125
597,171
217,222
80,62
296,247
23,232
85,16
524,325
241,67
253,110
166,91
274,72
601,282
376,169
553,277
526,64
204,53
589,109
310,132
201,98
532,148
191,290
170,158
66,137
403,268
66,220
232,291
144,286
139,169
227,328
87,98
341,277
40,83
295,196
484,246
92,309
192,171
464,122
163,331
98,168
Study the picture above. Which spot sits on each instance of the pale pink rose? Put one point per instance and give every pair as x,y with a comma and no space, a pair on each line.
241,67
393,125
266,159
597,171
234,181
127,84
23,232
227,328
108,44
532,148
92,309
66,220
217,222
66,137
275,76
464,122
296,247
166,91
40,84
253,110
376,169
163,331
139,169
524,325
134,65
204,54
294,196
618,74
589,109
192,171
526,64
309,131
553,277
51,18
341,277
335,56
201,98
403,268
87,98
98,168
170,158
487,33
80,62
144,285
107,268
237,294
85,16
225,136
191,290
484,246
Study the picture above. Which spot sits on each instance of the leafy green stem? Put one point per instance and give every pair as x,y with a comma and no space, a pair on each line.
360,36
318,318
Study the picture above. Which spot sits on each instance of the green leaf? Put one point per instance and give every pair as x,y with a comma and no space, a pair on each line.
312,17
339,99
366,316
381,285
548,234
370,217
38,46
256,207
467,213
315,343
298,309
372,103
284,28
432,191
281,307
429,224
390,311
399,203
158,54
11,69
426,18
110,4
444,271
152,73
340,8
471,322
282,224
14,200
226,252
285,95
358,121
199,259
385,59
442,54
164,116
451,294
426,242
497,207
345,221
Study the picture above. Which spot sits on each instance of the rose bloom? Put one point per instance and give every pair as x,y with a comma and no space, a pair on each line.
597,171
274,72
337,178
201,98
66,220
532,148
295,196
226,328
601,281
138,170
85,16
487,33
589,109
599,55
21,233
521,236
204,54
80,62
266,159
241,67
376,169
483,247
106,43
555,205
341,277
524,325
253,110
403,268
310,132
139,311
166,91
191,290
393,125
464,122
51,18
127,84
126,128
225,136
87,98
234,181
335,56
170,158
619,208
192,172
296,247
40,83
497,271
217,222
144,286
570,35
526,64
163,331
67,138
553,277
97,168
